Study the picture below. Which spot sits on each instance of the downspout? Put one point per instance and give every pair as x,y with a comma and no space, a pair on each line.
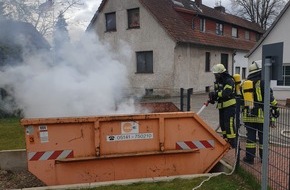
233,60
188,65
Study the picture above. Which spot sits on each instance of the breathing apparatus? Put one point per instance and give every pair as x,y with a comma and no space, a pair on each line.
237,78
248,92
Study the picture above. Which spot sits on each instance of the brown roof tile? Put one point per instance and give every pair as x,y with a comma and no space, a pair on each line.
229,18
165,12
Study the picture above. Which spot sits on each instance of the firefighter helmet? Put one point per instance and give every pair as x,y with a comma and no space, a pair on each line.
255,67
218,68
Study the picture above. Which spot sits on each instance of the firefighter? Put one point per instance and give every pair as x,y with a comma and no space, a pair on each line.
252,112
224,95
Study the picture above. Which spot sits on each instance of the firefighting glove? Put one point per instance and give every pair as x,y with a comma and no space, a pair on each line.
275,112
212,97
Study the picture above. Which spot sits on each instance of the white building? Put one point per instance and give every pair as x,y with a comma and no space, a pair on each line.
278,32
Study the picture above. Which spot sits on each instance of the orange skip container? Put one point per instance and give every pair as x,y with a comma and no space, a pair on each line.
117,147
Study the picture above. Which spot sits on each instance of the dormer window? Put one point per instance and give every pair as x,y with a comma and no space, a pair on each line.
258,36
133,18
247,35
219,29
234,32
202,25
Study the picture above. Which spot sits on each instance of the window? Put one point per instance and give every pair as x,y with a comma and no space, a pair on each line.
247,35
258,36
244,70
133,18
207,61
219,29
144,62
202,25
238,70
192,24
234,32
111,21
286,77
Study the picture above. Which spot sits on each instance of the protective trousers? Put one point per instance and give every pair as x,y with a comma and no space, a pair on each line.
227,124
252,130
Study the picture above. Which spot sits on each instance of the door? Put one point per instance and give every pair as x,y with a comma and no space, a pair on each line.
225,60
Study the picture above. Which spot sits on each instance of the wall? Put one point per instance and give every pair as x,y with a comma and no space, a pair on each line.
149,37
13,160
190,66
175,65
241,61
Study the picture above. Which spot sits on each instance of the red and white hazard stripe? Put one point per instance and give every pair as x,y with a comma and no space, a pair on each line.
187,145
50,155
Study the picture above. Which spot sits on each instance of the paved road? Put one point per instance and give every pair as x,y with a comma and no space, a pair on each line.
210,116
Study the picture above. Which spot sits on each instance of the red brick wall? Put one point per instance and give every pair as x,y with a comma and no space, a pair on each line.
210,27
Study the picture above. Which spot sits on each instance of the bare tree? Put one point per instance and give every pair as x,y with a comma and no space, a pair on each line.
40,13
262,12
2,11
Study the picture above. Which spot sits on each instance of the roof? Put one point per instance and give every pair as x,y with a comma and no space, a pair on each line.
11,32
269,29
168,14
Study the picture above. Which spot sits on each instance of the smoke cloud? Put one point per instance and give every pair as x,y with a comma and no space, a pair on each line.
81,79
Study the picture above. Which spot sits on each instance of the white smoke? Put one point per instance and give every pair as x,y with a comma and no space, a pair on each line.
81,79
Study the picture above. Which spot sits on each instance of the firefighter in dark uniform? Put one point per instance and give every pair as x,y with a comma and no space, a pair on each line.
253,115
224,95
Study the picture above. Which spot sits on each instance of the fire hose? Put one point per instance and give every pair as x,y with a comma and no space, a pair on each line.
210,175
205,104
203,107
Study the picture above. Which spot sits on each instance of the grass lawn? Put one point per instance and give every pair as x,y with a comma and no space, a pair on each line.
240,180
12,134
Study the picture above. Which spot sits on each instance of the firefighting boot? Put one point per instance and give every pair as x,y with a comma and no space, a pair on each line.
232,142
248,160
250,155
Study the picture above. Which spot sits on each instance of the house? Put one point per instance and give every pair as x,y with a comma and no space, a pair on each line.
17,37
175,42
278,32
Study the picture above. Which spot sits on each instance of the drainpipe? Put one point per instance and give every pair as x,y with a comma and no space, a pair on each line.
233,60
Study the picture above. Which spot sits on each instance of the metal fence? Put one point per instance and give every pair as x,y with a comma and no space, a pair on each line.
279,143
278,152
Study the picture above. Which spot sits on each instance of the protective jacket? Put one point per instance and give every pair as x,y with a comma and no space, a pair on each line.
256,114
225,91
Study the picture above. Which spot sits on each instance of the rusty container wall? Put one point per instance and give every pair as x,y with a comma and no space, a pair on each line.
107,148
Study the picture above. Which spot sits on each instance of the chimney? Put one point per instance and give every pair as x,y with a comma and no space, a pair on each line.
198,2
220,8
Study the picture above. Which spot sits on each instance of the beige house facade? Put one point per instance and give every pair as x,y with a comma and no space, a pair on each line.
173,45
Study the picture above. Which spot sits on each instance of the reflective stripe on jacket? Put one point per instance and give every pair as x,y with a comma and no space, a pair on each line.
226,93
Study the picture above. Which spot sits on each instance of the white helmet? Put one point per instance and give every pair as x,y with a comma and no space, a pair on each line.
218,68
255,67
